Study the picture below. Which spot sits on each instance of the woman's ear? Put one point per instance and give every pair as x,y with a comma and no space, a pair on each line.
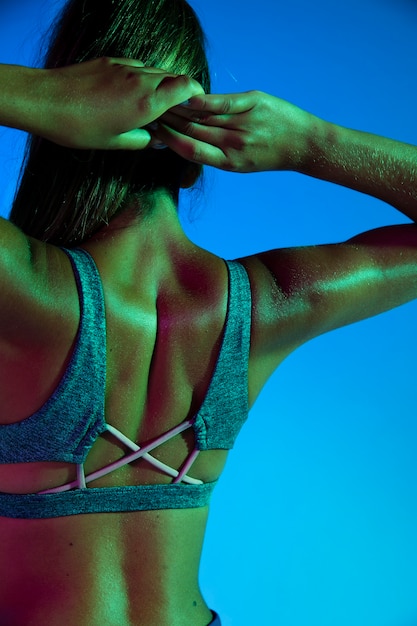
190,175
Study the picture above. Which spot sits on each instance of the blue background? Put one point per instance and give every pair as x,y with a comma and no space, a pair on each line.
315,519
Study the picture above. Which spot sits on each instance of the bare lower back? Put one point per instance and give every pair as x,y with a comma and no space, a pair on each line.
103,569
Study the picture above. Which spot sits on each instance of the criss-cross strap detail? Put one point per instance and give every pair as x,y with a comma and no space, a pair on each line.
137,453
65,429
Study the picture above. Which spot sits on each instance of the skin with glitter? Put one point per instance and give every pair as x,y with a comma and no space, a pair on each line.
166,303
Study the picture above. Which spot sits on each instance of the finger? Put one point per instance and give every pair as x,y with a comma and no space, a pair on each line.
216,104
137,139
191,149
213,134
130,62
175,116
176,89
148,69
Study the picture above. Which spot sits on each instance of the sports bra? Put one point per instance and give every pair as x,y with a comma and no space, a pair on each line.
65,428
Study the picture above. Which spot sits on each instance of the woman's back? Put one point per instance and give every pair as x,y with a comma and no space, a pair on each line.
164,331
124,547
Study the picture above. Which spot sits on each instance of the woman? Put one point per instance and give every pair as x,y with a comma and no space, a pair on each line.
119,329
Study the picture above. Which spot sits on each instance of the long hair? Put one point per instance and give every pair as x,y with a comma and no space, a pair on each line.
66,195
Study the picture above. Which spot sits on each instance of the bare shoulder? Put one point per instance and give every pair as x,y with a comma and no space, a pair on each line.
271,328
299,293
37,286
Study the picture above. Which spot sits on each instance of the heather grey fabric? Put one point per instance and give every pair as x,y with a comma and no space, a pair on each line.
68,424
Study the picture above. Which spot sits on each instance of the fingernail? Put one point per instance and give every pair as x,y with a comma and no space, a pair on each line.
159,146
153,126
186,103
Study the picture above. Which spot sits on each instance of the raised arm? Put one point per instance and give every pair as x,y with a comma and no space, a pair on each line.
255,132
368,163
302,292
100,104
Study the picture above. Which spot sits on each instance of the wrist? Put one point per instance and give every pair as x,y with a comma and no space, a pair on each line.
319,138
21,97
15,91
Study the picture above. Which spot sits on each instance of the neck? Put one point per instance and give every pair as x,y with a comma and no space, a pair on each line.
134,243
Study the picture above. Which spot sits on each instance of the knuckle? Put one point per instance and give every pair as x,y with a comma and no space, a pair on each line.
203,105
189,129
134,78
226,106
146,105
194,154
239,143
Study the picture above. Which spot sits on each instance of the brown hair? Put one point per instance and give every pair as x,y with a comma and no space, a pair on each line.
66,195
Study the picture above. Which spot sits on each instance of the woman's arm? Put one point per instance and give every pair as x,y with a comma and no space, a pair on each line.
368,163
101,104
299,293
253,132
98,104
17,96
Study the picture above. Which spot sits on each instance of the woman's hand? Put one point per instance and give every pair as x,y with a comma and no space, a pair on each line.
253,132
100,104
243,132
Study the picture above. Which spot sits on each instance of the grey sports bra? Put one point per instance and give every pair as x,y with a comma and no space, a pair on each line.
69,423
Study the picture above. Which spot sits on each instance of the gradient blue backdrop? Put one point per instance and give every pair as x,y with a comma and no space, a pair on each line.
315,519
